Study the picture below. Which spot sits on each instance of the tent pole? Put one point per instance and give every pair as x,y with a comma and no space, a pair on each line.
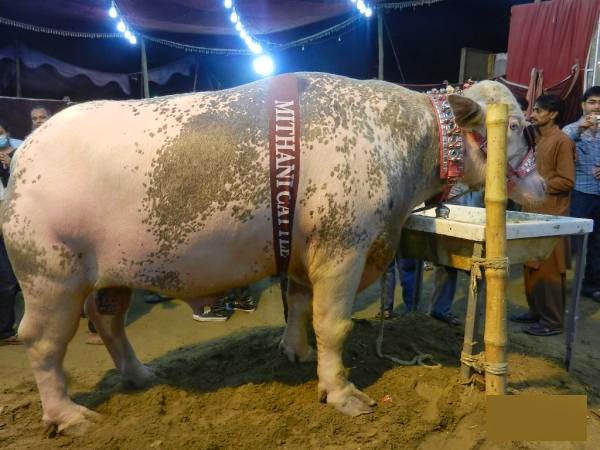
18,69
144,68
195,75
380,41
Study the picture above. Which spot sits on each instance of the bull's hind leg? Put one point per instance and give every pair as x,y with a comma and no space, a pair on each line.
294,343
52,312
333,296
107,309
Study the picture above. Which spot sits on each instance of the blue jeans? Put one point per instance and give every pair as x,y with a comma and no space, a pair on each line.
8,291
443,297
587,206
406,270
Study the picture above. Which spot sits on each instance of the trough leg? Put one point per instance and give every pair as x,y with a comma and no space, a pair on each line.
418,285
471,338
573,305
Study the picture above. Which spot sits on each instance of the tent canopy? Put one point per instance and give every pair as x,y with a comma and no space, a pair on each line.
180,16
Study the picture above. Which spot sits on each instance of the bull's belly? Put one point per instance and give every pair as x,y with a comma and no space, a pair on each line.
192,273
209,262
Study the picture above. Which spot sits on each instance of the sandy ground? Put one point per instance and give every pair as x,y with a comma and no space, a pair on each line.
225,385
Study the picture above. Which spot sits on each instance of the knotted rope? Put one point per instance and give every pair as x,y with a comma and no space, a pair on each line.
478,362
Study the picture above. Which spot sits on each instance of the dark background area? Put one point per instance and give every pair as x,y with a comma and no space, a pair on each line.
427,41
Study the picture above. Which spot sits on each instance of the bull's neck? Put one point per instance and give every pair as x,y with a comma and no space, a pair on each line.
427,161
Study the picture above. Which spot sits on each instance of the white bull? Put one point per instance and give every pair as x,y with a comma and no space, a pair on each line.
172,195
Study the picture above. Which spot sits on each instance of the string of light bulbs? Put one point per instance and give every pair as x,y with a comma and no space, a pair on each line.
263,63
122,26
363,8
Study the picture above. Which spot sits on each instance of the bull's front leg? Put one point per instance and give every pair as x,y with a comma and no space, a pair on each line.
294,343
333,295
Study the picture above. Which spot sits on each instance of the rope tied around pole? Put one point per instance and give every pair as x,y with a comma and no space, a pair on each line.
498,262
480,365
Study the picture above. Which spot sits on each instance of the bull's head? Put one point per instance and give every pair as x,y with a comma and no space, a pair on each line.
524,182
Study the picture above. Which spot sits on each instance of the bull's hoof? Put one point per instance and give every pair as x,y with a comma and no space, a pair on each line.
349,400
307,354
77,422
143,376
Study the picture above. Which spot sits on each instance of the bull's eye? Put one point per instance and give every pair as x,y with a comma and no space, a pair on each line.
514,126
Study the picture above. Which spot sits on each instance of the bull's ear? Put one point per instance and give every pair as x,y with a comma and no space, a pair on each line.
468,114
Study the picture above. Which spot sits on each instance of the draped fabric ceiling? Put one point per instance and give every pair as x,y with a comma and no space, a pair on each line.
180,16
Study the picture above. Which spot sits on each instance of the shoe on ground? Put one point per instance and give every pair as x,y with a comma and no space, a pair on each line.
450,318
526,317
11,340
247,304
155,298
93,339
539,329
387,315
212,314
590,290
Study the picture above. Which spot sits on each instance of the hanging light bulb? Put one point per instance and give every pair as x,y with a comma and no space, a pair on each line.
255,48
360,4
368,12
228,4
121,26
263,65
234,17
127,34
238,26
112,12
132,40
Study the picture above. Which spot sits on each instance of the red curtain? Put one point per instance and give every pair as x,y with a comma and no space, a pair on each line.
551,36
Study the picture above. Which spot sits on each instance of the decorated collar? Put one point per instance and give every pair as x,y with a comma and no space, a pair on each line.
452,147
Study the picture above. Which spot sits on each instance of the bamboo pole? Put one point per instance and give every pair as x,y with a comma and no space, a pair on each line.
495,248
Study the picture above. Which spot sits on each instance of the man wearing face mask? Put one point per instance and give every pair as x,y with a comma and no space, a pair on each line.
8,282
585,201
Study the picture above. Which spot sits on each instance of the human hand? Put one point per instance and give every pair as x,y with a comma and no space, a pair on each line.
596,172
589,121
5,159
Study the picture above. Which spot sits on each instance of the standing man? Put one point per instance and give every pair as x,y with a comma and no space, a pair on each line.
39,114
585,201
545,280
8,282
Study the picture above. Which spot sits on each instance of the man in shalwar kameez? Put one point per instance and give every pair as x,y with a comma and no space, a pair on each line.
545,280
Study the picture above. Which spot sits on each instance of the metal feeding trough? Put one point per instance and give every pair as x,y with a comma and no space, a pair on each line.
458,236
451,241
